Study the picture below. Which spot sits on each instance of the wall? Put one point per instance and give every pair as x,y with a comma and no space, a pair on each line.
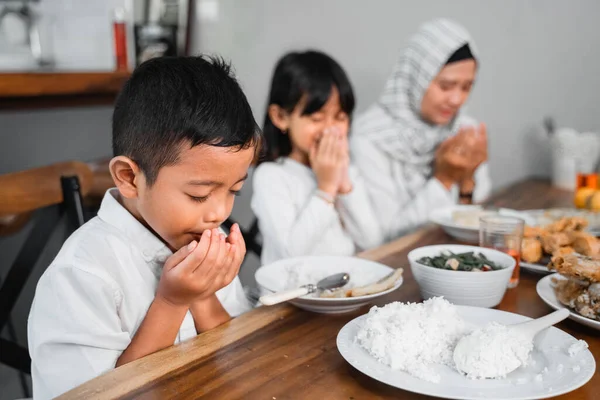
538,58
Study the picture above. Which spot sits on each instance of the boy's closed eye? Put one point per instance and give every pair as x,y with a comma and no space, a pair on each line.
202,199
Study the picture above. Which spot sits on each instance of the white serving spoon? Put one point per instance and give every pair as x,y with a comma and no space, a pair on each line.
479,359
329,283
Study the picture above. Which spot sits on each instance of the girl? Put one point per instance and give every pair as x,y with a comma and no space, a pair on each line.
414,149
308,199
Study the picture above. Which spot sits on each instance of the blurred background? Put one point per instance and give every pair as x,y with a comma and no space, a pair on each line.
62,63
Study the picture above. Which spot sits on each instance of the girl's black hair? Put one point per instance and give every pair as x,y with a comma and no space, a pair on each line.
309,73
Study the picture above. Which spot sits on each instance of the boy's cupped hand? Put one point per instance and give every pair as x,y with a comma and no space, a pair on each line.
198,270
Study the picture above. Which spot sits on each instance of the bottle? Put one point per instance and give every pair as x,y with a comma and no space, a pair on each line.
120,36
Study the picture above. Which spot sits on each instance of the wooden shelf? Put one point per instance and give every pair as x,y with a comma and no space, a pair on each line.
59,89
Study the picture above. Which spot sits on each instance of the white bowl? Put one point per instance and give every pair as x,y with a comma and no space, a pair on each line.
277,276
466,288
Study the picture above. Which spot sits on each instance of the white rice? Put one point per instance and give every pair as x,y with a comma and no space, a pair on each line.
413,337
492,352
576,347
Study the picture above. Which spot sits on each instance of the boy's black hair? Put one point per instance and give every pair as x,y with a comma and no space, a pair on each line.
311,74
173,101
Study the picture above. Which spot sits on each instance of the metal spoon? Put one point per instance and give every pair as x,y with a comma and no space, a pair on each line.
330,283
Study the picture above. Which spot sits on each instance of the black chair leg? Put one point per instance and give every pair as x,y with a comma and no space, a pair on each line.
12,334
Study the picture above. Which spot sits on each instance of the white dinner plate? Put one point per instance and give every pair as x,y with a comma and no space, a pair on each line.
564,373
293,272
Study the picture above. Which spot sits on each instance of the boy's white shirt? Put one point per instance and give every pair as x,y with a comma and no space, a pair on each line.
294,221
91,300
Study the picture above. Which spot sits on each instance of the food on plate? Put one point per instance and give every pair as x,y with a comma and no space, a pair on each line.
563,251
469,218
533,231
418,337
413,337
381,285
492,351
531,250
567,224
555,241
586,244
563,236
576,266
469,261
581,290
582,297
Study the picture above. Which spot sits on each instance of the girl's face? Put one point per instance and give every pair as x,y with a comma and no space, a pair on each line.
448,92
306,130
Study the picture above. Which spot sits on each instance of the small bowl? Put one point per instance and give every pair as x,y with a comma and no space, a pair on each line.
465,288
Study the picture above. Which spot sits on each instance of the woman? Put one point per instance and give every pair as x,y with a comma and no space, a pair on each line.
413,148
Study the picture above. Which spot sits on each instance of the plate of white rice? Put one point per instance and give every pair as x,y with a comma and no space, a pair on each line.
410,346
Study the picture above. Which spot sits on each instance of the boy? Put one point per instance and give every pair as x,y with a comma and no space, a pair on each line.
152,269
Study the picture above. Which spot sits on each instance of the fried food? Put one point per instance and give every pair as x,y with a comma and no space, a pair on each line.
576,266
564,251
586,244
534,232
555,241
567,224
583,297
531,250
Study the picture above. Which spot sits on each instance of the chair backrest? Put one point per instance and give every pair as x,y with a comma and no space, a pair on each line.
50,193
26,191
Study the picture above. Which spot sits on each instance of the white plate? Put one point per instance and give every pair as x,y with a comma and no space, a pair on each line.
443,218
539,268
274,277
546,292
550,350
470,234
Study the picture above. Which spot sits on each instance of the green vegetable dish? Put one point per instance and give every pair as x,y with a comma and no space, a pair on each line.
470,261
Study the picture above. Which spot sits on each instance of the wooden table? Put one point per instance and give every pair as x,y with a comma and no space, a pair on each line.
282,352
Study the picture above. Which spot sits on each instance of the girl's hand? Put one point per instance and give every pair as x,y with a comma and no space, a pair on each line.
346,183
327,161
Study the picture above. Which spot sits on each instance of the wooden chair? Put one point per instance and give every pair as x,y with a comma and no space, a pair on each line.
43,196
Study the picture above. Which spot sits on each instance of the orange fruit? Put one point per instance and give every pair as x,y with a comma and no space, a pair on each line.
594,203
582,197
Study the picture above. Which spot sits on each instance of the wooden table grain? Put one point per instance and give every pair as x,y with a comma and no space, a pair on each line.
282,352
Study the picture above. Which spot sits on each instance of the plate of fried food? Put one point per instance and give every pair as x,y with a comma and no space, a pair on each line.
561,237
576,286
462,221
